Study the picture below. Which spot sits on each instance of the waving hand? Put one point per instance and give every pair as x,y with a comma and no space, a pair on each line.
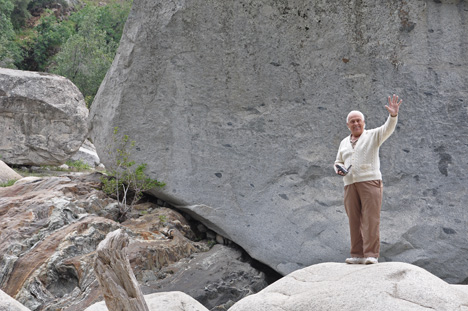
393,105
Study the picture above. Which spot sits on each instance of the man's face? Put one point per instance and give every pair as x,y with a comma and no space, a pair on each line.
356,124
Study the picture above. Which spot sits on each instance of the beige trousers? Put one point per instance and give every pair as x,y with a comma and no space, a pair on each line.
362,201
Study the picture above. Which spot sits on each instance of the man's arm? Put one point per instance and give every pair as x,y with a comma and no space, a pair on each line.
387,129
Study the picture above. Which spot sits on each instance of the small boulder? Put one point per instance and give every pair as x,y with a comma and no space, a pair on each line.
162,302
43,118
64,167
6,173
9,304
87,154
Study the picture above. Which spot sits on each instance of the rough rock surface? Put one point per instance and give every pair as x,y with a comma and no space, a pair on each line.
173,301
239,106
231,277
7,173
50,228
337,286
47,240
42,118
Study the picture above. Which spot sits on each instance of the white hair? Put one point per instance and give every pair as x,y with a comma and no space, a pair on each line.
355,111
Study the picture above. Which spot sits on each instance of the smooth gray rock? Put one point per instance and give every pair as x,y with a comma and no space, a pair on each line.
337,286
239,106
43,118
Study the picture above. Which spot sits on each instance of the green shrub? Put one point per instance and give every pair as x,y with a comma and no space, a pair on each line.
162,220
125,178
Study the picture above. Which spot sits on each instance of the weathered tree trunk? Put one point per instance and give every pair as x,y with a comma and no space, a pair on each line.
118,283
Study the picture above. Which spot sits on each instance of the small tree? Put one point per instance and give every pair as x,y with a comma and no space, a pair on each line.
125,179
10,53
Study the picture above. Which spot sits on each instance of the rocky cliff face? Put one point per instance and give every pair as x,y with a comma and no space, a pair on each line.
239,106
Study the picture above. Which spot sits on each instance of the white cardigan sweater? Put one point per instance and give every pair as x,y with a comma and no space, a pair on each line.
364,158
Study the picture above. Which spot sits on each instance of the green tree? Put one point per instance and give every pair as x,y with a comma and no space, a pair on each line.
50,36
9,50
111,18
86,57
20,13
6,28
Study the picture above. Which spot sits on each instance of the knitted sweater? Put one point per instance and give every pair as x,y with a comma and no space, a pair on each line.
364,158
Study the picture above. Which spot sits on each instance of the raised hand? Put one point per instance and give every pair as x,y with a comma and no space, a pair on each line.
393,105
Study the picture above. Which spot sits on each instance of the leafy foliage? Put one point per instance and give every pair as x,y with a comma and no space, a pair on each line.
88,54
85,58
109,18
162,219
50,36
20,13
125,178
9,50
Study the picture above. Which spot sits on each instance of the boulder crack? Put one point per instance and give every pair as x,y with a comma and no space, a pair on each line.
397,296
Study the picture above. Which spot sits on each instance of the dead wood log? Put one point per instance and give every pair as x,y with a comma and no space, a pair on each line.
115,275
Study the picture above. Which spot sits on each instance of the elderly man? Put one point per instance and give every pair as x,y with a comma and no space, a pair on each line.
358,161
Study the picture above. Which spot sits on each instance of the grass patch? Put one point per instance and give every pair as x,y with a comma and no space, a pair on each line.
8,183
27,173
78,165
47,170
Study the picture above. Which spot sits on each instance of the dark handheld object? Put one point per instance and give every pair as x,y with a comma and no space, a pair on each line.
343,169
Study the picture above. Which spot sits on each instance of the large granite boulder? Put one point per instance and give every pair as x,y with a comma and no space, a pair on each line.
43,118
239,106
335,286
